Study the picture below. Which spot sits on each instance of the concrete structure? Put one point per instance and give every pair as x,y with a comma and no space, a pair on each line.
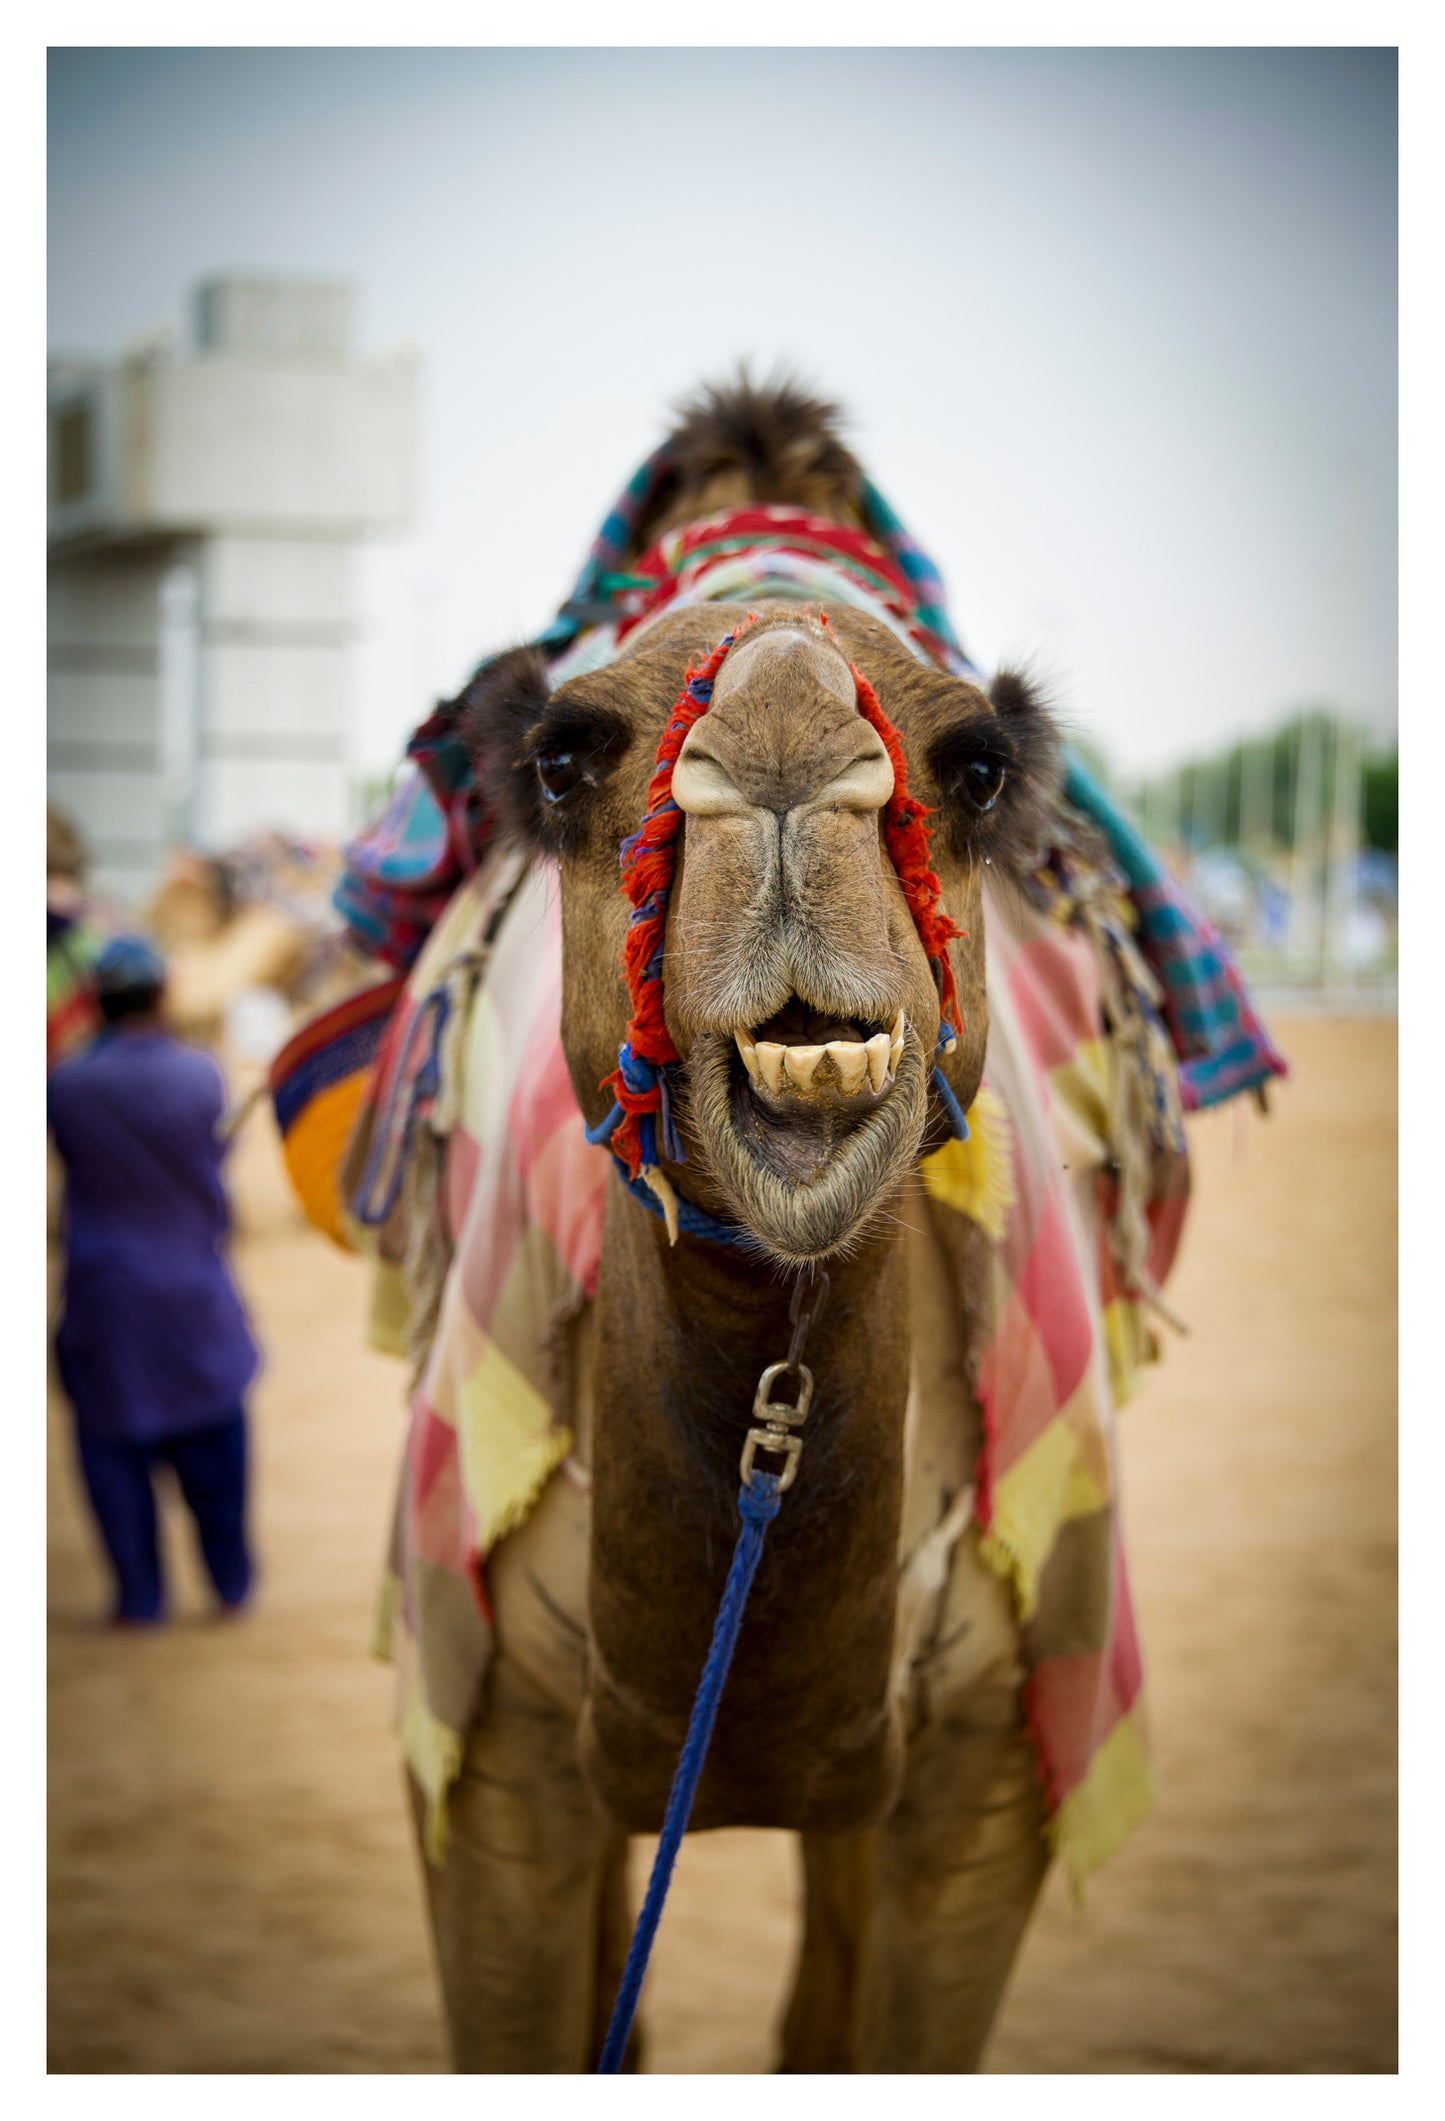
202,513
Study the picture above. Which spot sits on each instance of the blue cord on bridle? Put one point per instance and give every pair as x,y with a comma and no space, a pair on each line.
691,1220
946,1098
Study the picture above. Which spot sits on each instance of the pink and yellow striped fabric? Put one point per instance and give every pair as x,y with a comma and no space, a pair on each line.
523,1202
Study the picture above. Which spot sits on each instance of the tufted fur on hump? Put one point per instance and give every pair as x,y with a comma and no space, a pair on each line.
740,442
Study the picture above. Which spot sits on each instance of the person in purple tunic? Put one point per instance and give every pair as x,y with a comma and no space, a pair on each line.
153,1348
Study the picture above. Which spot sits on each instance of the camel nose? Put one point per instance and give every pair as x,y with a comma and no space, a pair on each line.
783,735
715,778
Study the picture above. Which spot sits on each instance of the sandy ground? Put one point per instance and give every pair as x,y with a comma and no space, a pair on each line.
232,1887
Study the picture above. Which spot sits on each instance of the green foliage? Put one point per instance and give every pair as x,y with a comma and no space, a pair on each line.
1380,778
1285,781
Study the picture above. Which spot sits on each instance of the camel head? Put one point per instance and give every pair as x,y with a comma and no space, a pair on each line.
797,991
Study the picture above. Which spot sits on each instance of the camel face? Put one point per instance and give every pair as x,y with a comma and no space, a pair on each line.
796,988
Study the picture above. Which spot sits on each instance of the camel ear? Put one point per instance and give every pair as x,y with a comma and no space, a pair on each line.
500,702
537,754
998,774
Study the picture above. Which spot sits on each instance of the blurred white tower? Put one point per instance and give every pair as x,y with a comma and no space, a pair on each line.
202,514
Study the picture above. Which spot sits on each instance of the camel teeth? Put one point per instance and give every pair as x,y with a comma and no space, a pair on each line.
850,1058
895,1055
877,1050
749,1054
770,1060
897,1028
801,1063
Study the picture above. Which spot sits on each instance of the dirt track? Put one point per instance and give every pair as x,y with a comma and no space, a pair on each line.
231,1885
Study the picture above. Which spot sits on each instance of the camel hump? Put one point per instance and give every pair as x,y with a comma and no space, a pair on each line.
738,442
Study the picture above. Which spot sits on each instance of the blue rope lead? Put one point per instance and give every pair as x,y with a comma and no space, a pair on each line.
758,1503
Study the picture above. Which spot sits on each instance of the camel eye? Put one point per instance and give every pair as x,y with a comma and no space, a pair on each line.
983,781
559,774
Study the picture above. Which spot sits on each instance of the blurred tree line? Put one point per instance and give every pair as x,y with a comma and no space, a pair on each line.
1269,792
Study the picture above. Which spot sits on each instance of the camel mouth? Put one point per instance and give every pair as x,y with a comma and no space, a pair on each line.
810,1135
805,1059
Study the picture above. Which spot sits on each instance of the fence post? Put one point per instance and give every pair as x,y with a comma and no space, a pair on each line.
1342,856
1256,797
1305,879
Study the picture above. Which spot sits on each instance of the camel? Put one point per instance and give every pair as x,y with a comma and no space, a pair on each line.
924,1685
255,917
789,934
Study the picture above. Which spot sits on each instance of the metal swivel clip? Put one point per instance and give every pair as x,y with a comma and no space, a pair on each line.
779,1420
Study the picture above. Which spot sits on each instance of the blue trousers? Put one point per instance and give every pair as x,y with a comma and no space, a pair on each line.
210,1465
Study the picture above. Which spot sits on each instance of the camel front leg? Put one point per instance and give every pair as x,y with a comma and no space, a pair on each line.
527,1906
911,1928
959,1866
962,1855
839,1883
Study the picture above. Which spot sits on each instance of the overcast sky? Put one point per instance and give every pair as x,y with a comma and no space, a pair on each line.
1116,329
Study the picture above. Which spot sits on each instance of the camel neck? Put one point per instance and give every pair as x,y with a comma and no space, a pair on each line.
683,1335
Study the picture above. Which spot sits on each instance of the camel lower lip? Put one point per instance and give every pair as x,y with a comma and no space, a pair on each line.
803,1175
794,1142
797,1130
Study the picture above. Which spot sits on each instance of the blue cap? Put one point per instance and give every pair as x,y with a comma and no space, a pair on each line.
128,961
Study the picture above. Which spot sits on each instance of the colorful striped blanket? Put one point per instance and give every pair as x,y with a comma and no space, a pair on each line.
1112,1004
522,1202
